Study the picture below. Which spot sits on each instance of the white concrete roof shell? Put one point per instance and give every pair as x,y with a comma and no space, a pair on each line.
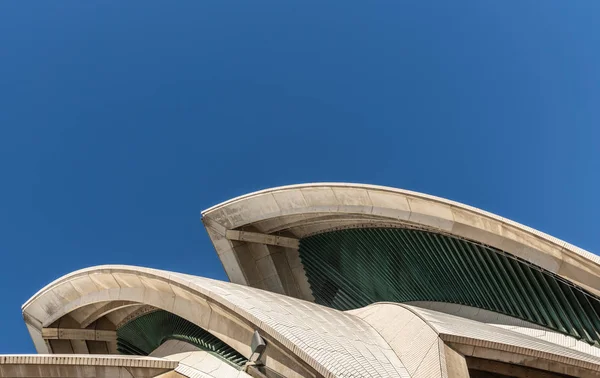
512,324
370,340
311,208
195,362
398,323
319,336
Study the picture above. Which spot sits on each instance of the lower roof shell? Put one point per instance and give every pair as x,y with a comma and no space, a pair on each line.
231,312
332,342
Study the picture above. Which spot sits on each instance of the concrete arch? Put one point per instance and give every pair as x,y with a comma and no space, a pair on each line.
305,339
509,323
228,311
440,343
270,221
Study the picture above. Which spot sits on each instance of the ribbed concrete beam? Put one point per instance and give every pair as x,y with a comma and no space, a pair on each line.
105,309
78,334
256,237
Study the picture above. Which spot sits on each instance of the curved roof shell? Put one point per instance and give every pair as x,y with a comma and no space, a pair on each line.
348,245
228,311
303,338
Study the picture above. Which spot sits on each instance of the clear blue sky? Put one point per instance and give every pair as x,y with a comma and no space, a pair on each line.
121,120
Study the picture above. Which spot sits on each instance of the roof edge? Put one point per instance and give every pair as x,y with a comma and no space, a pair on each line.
523,228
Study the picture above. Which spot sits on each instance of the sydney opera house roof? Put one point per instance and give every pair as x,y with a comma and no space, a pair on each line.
332,280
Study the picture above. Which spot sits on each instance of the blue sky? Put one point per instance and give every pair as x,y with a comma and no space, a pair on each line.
121,121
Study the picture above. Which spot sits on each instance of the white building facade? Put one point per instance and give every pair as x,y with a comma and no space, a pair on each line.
332,280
